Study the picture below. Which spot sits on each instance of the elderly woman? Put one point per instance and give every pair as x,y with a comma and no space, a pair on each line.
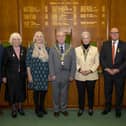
38,70
14,73
87,59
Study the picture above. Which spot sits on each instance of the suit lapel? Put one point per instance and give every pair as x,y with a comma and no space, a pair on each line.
66,46
20,55
21,52
109,49
83,55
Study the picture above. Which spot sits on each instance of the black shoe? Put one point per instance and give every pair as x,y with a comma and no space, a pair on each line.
106,111
90,112
14,114
1,113
56,114
21,112
65,113
40,114
45,112
80,113
118,114
36,111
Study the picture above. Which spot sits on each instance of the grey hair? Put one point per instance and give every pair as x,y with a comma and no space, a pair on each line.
85,33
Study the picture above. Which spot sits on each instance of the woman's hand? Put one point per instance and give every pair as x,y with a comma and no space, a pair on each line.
29,75
86,72
53,77
30,78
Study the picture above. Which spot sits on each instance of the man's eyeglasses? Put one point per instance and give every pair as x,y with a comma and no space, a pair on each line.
114,32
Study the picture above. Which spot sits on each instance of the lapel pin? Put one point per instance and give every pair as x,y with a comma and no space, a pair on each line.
118,50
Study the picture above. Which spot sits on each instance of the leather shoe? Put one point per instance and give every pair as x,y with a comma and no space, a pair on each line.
106,111
39,114
45,112
80,113
21,112
118,114
56,114
90,112
1,113
14,114
65,113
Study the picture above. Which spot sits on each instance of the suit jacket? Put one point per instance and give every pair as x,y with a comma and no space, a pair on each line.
90,63
120,57
1,60
11,63
55,67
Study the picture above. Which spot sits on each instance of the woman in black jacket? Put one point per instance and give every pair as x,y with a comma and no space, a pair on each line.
14,74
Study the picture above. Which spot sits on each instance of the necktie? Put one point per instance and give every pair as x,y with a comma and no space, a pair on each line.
61,49
113,52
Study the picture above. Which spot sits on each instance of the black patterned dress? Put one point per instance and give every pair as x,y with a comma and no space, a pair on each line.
39,71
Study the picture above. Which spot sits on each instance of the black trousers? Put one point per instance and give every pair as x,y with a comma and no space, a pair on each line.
109,82
39,99
81,87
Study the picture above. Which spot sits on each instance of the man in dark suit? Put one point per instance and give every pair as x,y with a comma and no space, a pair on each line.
1,57
113,61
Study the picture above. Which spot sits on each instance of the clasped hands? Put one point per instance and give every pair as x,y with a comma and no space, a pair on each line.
112,71
85,72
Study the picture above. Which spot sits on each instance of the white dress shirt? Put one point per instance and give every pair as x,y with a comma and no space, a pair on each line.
116,46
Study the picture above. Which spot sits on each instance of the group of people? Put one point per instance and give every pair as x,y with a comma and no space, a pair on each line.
61,64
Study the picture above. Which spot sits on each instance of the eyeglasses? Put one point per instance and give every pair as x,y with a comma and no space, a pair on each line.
114,32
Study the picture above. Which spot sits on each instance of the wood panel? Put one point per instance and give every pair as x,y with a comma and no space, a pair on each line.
118,16
31,18
8,18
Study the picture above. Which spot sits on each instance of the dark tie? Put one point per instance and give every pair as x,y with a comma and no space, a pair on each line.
61,49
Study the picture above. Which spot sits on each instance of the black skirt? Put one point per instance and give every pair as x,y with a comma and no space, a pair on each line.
15,88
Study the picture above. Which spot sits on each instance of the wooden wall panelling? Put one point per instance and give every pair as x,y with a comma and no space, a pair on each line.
8,18
96,16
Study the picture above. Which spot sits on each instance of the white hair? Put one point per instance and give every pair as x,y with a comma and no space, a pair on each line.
15,35
86,33
35,35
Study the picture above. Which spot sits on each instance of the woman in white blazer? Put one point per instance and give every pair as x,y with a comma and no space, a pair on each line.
87,62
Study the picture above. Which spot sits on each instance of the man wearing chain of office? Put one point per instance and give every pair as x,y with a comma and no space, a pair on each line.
62,65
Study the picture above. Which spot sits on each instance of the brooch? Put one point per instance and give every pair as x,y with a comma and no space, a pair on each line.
118,50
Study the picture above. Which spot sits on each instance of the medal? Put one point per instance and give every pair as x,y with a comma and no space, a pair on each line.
118,50
62,59
62,63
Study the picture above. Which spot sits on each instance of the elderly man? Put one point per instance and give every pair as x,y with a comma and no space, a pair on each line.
62,69
113,61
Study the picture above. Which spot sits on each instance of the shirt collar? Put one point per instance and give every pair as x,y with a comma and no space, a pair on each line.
63,45
116,42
